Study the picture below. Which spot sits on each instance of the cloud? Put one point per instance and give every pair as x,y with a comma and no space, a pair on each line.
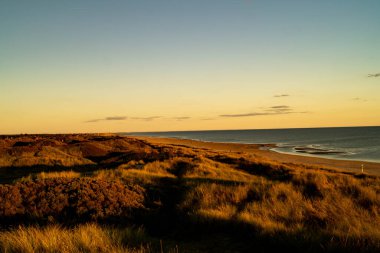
114,118
374,75
359,99
208,118
93,120
273,110
246,114
180,118
281,95
150,118
146,118
279,107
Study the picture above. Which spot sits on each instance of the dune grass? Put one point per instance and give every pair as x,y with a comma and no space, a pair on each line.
55,174
83,238
205,201
326,210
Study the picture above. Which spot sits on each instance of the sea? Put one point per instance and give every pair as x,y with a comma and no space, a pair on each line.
347,143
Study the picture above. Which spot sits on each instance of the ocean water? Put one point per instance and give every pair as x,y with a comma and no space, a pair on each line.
351,143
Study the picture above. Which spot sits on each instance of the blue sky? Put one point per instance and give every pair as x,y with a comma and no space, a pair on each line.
63,63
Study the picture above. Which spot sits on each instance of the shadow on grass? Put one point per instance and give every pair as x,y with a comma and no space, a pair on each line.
163,217
10,174
174,225
269,171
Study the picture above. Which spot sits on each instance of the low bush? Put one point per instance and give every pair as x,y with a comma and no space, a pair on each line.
63,198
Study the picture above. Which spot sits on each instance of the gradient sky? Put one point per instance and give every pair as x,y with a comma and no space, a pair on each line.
111,66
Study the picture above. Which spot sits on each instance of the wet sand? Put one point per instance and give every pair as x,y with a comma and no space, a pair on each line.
263,151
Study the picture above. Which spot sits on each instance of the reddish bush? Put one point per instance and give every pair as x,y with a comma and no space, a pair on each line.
69,198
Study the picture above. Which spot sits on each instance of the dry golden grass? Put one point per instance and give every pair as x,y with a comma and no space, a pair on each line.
83,238
130,176
45,175
320,202
136,172
47,155
336,206
202,167
189,168
64,174
306,209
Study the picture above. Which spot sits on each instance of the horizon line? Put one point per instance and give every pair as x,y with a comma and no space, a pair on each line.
203,130
248,129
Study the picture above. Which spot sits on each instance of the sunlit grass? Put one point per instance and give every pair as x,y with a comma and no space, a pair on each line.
83,238
202,192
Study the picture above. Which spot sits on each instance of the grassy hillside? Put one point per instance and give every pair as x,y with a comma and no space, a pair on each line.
126,195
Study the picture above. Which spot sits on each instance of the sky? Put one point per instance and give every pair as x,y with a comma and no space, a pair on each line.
148,65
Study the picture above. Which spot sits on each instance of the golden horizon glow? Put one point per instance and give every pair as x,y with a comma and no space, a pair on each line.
192,65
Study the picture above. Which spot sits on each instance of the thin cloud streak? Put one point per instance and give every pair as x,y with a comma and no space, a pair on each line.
359,99
273,110
180,118
93,120
150,118
281,95
248,114
114,118
374,75
146,118
280,107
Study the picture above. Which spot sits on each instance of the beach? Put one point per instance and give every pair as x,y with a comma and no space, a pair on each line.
264,152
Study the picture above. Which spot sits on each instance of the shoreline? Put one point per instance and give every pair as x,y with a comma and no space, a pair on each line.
306,154
266,151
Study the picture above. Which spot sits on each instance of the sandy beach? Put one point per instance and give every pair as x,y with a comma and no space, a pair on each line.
263,151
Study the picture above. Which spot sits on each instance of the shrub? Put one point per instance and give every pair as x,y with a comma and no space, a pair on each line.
63,198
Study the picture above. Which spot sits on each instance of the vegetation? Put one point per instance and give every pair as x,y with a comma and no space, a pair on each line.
68,198
83,238
183,199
